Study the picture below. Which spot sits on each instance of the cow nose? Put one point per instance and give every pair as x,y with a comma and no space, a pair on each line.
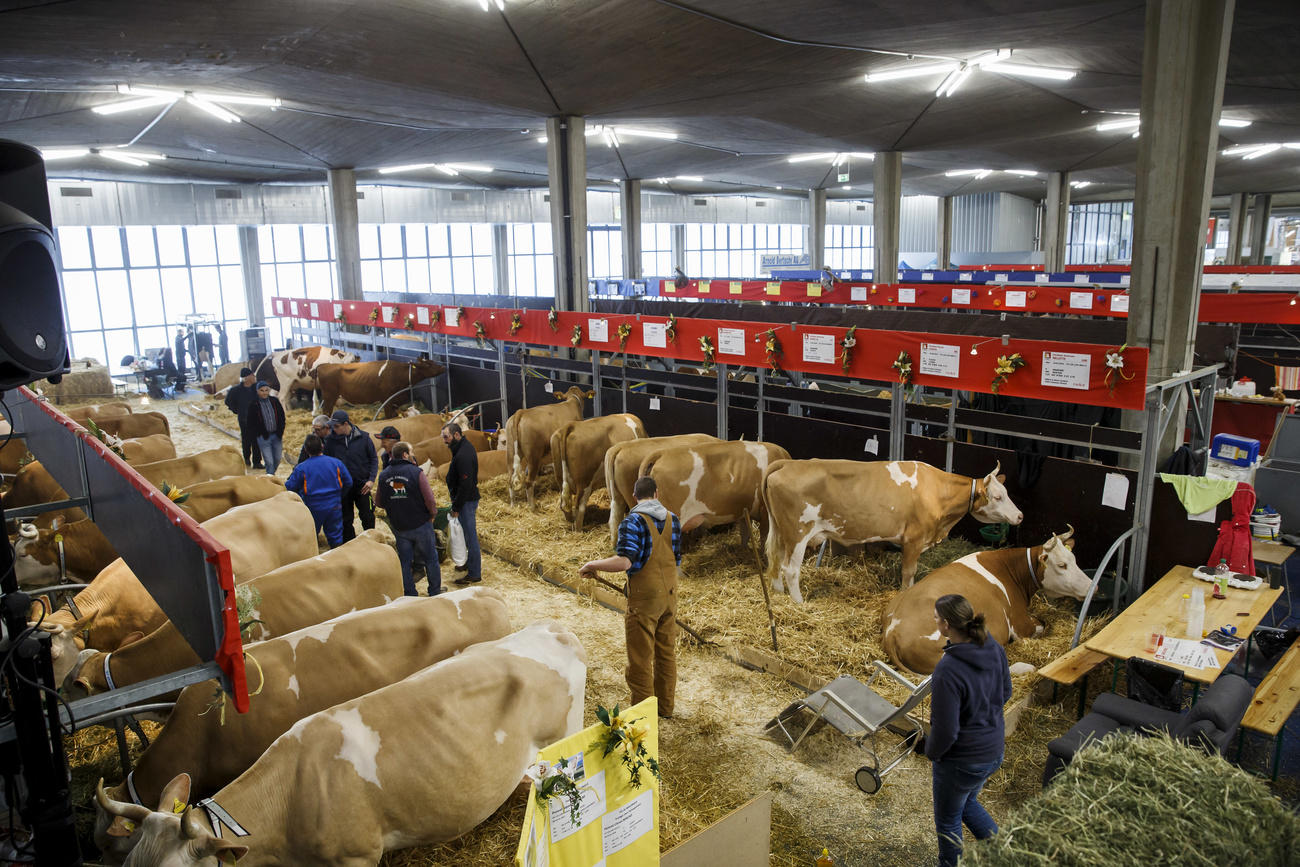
1020,516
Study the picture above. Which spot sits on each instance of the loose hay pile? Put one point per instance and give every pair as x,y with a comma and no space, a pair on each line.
1140,801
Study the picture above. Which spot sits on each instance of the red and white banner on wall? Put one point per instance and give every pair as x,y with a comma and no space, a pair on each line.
1051,370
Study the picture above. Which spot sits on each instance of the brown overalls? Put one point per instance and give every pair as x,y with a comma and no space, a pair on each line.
651,622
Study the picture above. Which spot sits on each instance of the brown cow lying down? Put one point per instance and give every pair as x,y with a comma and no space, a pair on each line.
303,673
373,773
192,469
370,381
909,503
528,438
622,463
98,411
998,584
140,424
206,500
578,452
146,450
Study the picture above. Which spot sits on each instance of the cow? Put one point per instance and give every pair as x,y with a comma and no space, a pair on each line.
206,500
998,584
139,424
45,556
261,537
713,484
33,485
578,452
12,454
421,761
98,411
528,438
908,503
146,450
293,369
490,465
363,573
301,673
425,430
623,461
370,381
192,469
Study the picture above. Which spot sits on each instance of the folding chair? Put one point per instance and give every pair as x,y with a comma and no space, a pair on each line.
859,713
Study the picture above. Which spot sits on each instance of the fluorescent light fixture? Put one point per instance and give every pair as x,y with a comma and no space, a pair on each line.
123,158
958,81
1292,145
446,170
805,158
846,187
1028,173
947,82
661,180
1233,123
982,174
898,72
1126,123
839,158
48,154
611,140
1079,185
132,104
646,133
413,167
697,180
779,187
1055,73
960,172
501,4
161,92
862,155
1262,151
212,108
139,155
541,139
267,101
466,167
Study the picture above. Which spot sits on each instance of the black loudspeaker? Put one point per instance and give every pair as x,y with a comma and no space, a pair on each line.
33,344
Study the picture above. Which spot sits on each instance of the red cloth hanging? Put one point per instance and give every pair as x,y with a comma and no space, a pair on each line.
1234,543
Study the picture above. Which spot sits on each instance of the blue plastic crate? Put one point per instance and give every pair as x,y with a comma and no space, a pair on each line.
1231,449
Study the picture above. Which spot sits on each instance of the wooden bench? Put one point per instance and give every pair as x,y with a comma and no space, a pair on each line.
1073,667
1274,702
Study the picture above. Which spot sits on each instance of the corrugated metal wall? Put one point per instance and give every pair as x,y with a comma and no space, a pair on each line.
993,222
918,227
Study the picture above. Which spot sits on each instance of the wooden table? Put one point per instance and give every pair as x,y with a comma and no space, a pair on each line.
1160,610
1273,556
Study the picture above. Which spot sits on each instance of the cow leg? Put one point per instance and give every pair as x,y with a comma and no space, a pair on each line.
911,556
617,512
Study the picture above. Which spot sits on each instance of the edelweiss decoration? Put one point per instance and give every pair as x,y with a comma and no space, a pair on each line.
624,332
553,320
516,322
706,346
576,337
553,781
772,345
460,316
903,365
435,316
670,328
1007,365
1115,368
846,347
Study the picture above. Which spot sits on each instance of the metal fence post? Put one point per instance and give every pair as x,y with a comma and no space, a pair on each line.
501,382
722,401
598,406
952,432
897,422
759,378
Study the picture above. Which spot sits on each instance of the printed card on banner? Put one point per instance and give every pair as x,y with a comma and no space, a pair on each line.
315,311
1080,300
858,293
1081,278
819,348
1119,304
702,286
1066,369
1040,278
964,276
927,276
1001,278
390,313
774,288
338,310
814,290
1016,298
961,296
940,359
906,295
598,330
451,316
654,334
422,315
735,287
731,341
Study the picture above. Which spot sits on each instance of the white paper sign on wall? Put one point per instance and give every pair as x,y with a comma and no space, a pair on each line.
872,446
1081,278
453,317
1066,369
1017,298
1040,278
906,295
422,315
858,293
1001,278
314,310
598,330
940,359
654,403
927,276
654,334
549,387
1119,304
819,348
338,310
964,276
1080,300
390,313
731,341
961,296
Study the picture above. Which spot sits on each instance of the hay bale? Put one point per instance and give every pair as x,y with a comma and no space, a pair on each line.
1136,800
88,379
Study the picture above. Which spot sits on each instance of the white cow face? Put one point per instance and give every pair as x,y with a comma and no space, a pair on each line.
1058,571
167,839
994,506
30,571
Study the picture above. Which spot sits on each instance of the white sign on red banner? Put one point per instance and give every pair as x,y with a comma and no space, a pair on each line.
858,293
731,341
314,311
819,348
453,317
422,315
940,359
961,296
654,334
1119,304
1066,369
906,295
598,330
1017,298
338,310
1080,300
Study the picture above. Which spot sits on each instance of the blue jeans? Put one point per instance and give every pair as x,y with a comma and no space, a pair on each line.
473,565
422,539
272,449
956,789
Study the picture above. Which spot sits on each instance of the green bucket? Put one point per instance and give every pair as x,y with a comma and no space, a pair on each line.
440,519
994,534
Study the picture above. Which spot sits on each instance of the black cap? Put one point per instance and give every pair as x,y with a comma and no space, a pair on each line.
389,433
339,417
244,371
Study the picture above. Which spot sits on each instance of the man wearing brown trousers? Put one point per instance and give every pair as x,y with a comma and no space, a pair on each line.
650,551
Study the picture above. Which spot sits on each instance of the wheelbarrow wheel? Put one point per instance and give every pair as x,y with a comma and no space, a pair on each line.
868,780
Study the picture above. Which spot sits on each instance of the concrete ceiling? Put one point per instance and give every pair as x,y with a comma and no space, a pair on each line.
745,84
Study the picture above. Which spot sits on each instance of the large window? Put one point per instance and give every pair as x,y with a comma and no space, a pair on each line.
532,267
126,288
733,249
1100,233
297,262
657,250
605,252
442,258
850,248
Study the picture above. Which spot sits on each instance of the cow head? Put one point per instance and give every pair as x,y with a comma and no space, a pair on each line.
1057,570
36,559
992,504
115,835
65,646
171,839
422,370
575,392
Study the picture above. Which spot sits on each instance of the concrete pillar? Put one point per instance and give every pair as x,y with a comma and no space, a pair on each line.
815,234
250,260
566,162
501,259
679,247
887,198
1055,213
1259,217
629,197
1236,228
943,256
1183,64
347,237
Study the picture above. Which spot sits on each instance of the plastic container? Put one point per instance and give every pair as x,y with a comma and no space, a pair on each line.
1232,449
825,859
1196,615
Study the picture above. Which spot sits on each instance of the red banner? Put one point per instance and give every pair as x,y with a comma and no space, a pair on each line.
1044,369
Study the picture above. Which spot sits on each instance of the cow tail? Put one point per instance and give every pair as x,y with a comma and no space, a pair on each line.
648,465
770,542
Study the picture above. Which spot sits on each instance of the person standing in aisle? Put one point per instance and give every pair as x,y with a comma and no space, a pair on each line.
320,426
238,398
223,344
357,452
321,480
649,549
967,737
388,439
462,484
264,419
403,490
180,353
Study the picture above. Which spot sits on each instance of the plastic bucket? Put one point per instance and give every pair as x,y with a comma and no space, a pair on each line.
994,534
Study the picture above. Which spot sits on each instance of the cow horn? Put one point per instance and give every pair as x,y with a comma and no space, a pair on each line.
1069,534
134,812
190,825
997,468
28,531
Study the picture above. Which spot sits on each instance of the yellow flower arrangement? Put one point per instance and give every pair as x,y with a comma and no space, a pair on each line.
480,334
707,347
374,315
516,322
624,332
772,345
628,738
1006,366
846,347
576,336
903,365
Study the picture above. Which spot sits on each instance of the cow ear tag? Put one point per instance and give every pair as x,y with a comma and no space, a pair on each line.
178,806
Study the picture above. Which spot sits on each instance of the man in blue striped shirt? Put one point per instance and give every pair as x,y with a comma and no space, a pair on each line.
649,549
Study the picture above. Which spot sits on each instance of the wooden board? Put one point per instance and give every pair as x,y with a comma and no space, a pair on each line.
1276,698
1270,552
740,839
1069,667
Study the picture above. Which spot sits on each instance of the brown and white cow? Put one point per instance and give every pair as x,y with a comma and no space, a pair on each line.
190,470
623,462
424,433
998,584
490,465
908,503
302,673
12,453
146,450
363,573
370,381
293,369
344,785
528,438
208,499
98,411
713,484
44,556
33,485
139,424
578,452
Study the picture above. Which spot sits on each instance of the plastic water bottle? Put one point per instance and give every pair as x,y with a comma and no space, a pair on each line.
1221,575
1196,615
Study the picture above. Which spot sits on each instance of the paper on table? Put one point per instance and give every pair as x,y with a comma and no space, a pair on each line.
1114,492
1181,651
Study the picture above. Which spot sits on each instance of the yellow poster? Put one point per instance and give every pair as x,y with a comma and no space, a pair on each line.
814,290
702,287
610,822
774,288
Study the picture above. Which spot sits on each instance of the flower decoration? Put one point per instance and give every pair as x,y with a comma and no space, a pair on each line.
1033,293
576,337
114,443
624,332
553,320
374,315
176,494
1115,368
410,321
435,316
480,333
628,738
1007,365
670,328
772,346
516,322
341,317
846,348
553,781
707,347
460,316
903,365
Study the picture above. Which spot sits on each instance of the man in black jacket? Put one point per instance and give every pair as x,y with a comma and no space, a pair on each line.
462,484
238,398
404,491
356,450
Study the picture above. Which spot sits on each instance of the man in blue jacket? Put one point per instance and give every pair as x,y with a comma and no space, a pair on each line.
356,450
320,481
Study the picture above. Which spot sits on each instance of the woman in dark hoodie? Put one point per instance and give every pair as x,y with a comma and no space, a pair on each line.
969,686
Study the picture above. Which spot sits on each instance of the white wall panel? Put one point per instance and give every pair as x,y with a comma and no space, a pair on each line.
214,205
295,204
69,207
918,223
